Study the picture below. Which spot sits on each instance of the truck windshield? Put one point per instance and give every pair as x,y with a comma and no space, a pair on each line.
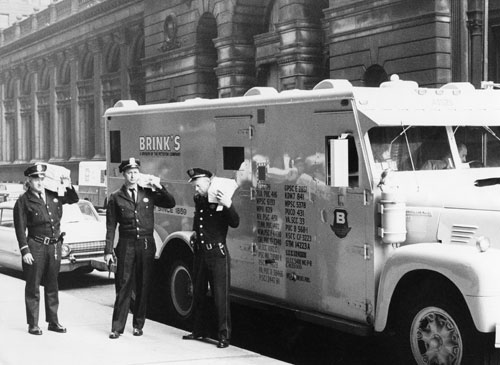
408,148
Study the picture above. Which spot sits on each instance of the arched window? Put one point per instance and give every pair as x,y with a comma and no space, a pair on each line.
113,58
374,76
137,51
44,79
65,73
207,55
10,89
26,85
87,71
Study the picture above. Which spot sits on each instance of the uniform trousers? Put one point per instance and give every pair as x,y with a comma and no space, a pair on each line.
44,270
135,259
211,266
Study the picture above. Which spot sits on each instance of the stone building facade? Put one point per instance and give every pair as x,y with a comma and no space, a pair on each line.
61,67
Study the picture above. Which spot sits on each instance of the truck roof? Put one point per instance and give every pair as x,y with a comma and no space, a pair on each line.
395,102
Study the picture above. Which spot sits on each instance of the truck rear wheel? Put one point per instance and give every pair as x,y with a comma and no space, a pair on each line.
435,329
179,291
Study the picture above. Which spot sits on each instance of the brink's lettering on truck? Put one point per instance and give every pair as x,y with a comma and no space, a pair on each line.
370,210
159,143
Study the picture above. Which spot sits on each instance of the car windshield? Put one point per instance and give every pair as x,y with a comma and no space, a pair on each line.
408,148
6,217
82,211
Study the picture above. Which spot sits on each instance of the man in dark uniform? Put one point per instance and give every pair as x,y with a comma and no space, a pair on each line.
132,208
211,259
39,212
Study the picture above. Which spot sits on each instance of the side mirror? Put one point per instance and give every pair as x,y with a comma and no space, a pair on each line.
339,162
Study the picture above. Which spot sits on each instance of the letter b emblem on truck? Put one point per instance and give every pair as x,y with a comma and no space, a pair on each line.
340,225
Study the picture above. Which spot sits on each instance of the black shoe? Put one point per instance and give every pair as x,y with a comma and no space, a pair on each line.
223,343
56,327
114,334
193,336
137,332
34,330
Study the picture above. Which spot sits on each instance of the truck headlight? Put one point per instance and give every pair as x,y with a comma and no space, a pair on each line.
482,244
65,250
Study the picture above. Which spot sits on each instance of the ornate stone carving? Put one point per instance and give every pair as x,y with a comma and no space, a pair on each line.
170,34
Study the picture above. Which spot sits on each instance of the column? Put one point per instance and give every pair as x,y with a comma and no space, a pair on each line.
475,25
3,127
20,140
301,45
124,64
36,147
56,152
43,113
236,66
96,47
76,127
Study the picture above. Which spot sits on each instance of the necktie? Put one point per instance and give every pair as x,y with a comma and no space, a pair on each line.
41,197
132,191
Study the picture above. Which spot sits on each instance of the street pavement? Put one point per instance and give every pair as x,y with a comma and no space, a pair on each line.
87,342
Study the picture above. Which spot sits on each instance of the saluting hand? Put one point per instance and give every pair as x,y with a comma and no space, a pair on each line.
28,259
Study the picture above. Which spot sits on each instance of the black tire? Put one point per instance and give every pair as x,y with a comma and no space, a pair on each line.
179,291
83,270
434,327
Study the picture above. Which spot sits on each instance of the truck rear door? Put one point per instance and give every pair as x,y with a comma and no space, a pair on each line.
233,156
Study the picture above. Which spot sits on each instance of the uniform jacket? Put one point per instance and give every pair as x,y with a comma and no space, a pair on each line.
211,225
40,219
135,220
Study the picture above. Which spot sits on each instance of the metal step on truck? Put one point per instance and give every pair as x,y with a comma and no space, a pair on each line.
369,210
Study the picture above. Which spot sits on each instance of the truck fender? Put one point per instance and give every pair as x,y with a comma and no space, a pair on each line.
474,273
183,236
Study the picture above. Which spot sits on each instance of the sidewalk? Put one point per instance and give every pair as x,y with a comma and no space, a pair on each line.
87,342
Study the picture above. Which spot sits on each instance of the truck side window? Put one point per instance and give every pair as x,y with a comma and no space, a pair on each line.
478,146
233,157
115,146
353,161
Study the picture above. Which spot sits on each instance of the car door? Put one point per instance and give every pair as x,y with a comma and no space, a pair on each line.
10,255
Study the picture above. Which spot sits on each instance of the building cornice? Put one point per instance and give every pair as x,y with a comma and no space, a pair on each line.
72,21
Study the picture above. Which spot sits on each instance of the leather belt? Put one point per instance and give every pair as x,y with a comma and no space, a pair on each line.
209,246
45,240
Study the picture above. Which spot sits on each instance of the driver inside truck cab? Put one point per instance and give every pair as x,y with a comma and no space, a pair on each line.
447,161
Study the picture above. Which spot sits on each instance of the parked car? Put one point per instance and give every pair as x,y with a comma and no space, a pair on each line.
83,247
10,191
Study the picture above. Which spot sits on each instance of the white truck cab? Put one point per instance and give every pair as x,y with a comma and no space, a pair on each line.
365,209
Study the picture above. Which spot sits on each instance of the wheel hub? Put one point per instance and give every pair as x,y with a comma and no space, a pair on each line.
435,338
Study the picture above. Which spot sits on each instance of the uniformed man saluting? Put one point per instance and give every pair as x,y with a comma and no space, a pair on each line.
211,259
39,211
132,208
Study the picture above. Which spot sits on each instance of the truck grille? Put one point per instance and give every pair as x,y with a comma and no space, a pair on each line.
87,249
461,233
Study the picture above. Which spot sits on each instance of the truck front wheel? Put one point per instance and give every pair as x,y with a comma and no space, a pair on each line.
435,329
